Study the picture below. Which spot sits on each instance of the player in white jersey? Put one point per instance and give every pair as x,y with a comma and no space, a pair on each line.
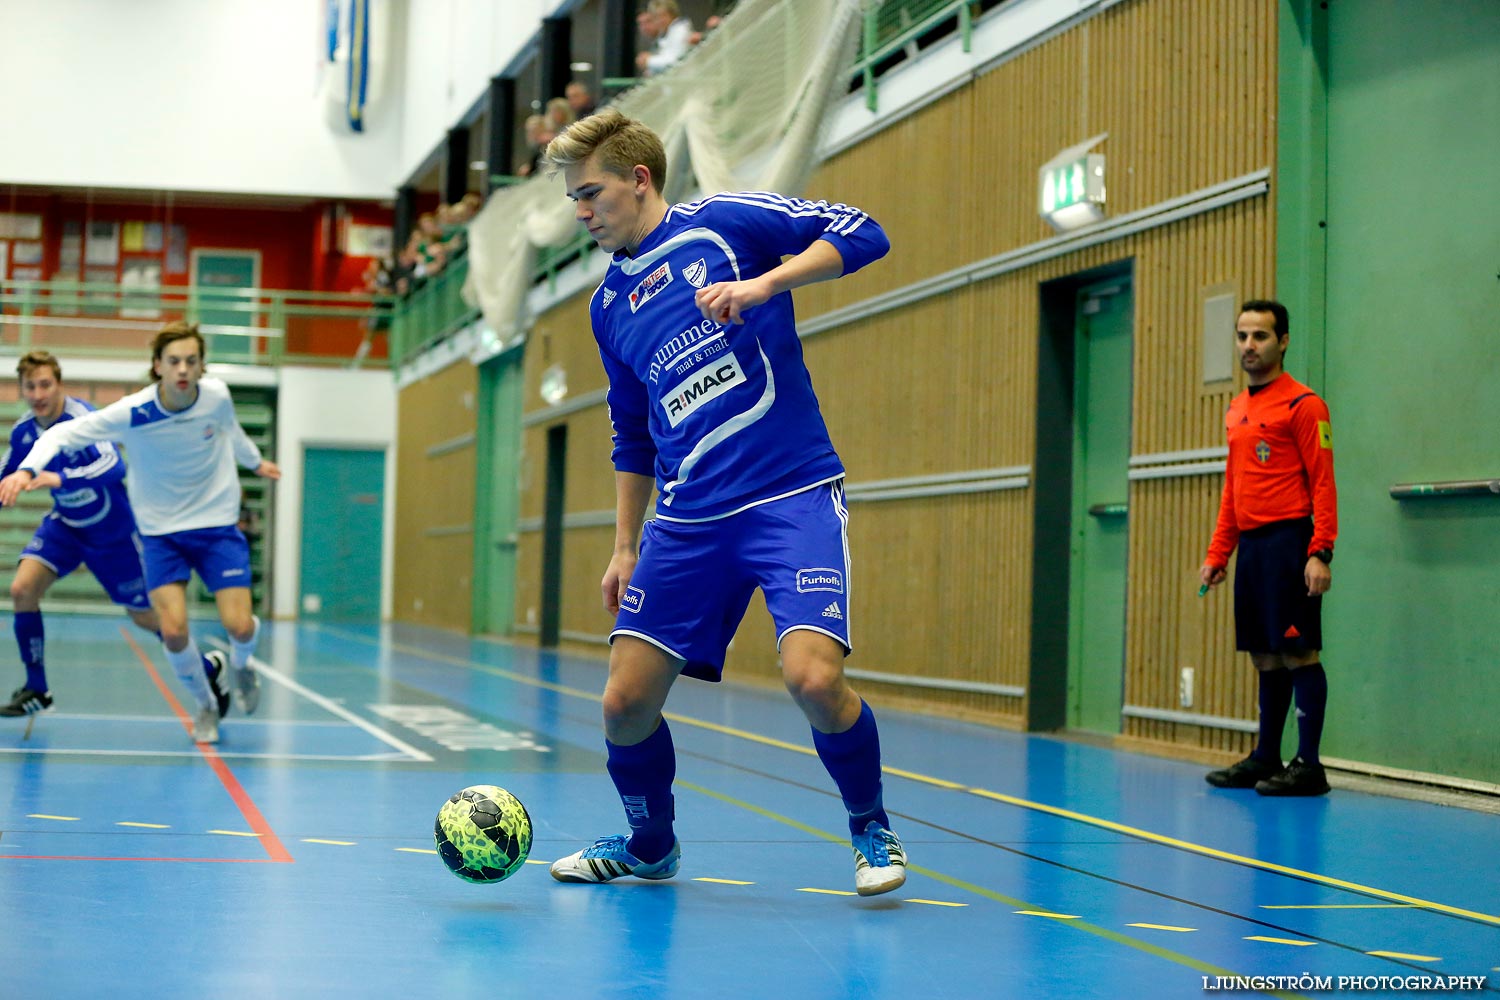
708,394
90,524
184,442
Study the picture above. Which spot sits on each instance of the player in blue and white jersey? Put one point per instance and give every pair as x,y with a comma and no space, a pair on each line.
184,442
711,401
90,523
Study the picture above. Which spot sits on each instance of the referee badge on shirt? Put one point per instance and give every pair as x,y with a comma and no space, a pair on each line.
1262,452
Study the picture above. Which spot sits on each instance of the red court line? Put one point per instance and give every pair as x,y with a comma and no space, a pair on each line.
265,834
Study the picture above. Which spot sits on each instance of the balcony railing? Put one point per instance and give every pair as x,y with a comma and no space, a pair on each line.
240,325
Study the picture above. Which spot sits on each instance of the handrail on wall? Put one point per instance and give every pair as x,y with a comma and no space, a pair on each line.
1451,488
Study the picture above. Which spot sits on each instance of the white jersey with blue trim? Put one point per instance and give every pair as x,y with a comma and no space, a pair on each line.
182,463
724,417
92,493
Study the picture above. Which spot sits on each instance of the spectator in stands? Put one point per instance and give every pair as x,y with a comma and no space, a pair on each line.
580,99
559,114
668,33
538,134
456,218
431,251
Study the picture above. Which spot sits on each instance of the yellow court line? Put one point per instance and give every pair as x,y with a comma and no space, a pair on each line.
1404,955
956,786
933,902
722,881
416,850
1165,927
1045,913
336,843
65,819
529,861
235,833
1291,941
1214,852
148,826
1106,933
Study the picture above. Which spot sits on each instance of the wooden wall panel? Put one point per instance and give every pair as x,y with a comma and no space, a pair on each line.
941,585
434,566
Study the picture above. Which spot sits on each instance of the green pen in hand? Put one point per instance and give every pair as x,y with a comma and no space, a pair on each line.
1203,589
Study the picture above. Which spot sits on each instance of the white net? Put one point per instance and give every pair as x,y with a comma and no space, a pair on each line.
742,111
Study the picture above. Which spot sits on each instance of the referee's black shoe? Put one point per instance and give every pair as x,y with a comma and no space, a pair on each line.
1244,774
1299,778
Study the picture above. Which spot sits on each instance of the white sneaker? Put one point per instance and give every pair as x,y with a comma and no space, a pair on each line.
608,859
206,725
879,860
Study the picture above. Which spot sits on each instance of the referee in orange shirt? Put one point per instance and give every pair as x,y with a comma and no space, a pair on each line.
1281,509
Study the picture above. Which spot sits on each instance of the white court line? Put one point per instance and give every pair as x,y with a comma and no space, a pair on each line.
265,669
227,755
158,719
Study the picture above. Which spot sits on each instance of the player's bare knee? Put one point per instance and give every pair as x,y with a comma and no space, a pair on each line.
145,620
174,638
24,596
628,719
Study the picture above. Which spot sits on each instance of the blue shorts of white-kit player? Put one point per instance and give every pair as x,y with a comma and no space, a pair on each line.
114,560
694,580
221,557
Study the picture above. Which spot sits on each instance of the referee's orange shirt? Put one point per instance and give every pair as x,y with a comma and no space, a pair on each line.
1280,466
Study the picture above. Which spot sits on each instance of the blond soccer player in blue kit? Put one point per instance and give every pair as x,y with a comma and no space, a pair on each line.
710,400
184,442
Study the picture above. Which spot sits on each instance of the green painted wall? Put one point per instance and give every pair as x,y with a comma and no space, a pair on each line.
1391,134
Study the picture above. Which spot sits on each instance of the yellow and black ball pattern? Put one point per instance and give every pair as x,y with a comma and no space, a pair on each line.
483,834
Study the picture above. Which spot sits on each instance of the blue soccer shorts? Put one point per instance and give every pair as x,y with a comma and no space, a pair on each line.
221,557
115,559
694,581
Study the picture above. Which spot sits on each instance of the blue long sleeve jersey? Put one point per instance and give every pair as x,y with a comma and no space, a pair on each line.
92,494
724,417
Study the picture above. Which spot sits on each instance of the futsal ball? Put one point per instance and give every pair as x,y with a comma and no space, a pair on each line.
483,834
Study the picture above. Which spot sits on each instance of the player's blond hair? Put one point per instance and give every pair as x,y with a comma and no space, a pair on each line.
619,144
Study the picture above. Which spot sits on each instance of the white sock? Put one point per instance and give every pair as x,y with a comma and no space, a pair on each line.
240,652
188,663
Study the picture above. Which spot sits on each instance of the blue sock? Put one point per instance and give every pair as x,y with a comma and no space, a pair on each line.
853,761
1275,701
1312,700
32,638
643,775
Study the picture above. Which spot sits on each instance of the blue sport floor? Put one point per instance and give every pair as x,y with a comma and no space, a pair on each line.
295,859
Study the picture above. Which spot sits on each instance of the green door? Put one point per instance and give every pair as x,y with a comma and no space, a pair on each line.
217,276
1100,525
497,493
343,517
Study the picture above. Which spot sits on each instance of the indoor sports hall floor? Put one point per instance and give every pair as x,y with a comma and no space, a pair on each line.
295,858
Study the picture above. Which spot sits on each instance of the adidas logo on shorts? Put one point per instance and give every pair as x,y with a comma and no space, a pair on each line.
832,611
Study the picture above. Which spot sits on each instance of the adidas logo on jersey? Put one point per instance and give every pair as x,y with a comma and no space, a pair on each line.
609,296
832,611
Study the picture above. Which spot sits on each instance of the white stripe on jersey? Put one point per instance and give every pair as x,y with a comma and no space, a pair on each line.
107,459
635,265
797,208
853,218
724,431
